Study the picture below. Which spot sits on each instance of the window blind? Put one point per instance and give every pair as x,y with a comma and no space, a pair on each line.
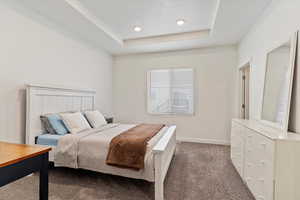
171,91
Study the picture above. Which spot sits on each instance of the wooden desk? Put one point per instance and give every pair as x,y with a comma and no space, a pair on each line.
19,160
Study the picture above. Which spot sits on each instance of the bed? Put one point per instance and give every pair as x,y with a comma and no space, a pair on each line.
48,99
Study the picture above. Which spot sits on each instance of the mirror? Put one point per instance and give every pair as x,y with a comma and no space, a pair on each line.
278,84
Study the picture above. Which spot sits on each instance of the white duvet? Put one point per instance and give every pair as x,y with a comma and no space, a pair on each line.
88,150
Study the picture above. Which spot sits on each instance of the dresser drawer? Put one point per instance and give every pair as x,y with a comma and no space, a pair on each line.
265,151
250,160
259,165
270,160
237,147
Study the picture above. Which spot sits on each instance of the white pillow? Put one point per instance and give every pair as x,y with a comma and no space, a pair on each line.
95,118
75,122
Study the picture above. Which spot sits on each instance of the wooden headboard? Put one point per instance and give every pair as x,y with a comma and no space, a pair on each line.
42,100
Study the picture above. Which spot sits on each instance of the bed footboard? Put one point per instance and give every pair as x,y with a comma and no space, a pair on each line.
163,154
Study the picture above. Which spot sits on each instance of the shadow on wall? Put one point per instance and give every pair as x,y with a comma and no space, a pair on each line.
21,116
25,10
13,114
295,105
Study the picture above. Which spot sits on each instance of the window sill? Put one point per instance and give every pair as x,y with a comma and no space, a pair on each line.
172,114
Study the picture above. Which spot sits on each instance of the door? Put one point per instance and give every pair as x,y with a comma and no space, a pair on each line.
244,91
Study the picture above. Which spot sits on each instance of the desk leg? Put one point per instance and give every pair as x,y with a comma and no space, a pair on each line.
44,178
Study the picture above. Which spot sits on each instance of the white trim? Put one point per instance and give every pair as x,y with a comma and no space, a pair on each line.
215,14
86,13
291,68
248,62
59,87
203,141
191,35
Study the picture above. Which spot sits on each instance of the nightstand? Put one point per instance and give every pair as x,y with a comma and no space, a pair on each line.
109,120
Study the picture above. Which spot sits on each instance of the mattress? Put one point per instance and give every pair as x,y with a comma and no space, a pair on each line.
89,149
48,139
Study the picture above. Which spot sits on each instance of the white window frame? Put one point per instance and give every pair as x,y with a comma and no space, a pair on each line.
149,95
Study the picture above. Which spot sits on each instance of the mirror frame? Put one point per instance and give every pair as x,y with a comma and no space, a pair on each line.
294,46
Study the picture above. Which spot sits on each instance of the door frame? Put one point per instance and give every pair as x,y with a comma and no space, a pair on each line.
244,89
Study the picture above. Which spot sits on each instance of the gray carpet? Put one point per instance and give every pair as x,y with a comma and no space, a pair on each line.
197,172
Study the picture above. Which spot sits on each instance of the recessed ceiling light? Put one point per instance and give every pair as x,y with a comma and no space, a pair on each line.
180,22
137,29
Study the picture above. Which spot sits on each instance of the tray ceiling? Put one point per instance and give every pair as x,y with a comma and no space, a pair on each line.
110,24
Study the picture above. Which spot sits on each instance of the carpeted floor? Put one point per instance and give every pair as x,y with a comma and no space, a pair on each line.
197,172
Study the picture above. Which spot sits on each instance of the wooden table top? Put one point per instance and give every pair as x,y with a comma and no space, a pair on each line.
14,153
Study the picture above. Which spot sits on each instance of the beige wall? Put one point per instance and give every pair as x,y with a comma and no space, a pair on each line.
32,53
215,70
274,27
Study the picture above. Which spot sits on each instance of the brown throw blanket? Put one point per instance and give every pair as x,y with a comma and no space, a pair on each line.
128,149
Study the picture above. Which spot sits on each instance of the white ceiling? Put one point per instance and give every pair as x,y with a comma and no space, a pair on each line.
109,24
156,17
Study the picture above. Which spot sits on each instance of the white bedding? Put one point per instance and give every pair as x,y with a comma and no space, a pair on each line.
88,150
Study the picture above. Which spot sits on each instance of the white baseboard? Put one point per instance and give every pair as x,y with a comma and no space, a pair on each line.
204,141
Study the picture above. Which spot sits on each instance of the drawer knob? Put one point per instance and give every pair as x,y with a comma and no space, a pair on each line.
263,162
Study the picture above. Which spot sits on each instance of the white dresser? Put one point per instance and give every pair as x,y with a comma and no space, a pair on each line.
268,162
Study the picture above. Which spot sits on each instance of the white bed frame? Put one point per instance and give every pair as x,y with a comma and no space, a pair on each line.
51,99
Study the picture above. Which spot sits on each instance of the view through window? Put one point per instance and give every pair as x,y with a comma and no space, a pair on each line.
171,91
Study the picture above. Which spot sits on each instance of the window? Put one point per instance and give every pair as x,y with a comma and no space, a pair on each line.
171,91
